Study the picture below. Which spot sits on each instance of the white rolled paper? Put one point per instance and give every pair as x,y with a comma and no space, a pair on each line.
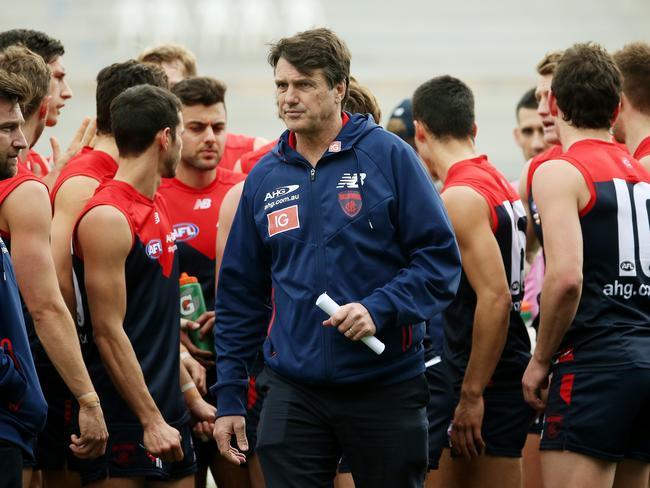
329,306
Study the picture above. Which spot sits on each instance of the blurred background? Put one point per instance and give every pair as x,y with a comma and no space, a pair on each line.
492,45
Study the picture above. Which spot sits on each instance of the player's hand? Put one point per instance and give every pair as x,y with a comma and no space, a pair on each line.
91,443
353,321
197,372
206,322
204,415
163,441
535,383
466,436
205,358
224,429
83,137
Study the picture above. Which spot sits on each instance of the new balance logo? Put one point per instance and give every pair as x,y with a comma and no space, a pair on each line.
203,203
351,180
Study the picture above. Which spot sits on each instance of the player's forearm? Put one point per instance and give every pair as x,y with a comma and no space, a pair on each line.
124,370
57,333
489,335
560,297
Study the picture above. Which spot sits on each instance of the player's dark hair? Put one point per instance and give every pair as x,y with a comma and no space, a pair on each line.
315,49
36,41
20,60
528,101
445,105
587,86
139,113
114,79
14,88
200,90
634,62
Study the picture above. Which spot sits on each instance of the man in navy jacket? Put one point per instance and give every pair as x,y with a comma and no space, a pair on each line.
342,206
22,406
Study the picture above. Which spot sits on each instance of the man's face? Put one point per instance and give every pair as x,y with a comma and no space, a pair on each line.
59,91
204,138
542,92
305,101
529,133
12,139
172,156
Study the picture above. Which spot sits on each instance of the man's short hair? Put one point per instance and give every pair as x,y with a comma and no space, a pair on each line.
14,88
20,60
587,86
139,113
36,41
315,49
114,79
168,53
634,62
200,90
362,101
549,62
445,105
528,101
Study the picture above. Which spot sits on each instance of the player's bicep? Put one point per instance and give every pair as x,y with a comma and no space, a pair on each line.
104,240
479,250
226,217
557,186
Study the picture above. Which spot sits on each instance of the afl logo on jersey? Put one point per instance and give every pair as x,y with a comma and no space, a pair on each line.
185,231
514,288
627,266
154,248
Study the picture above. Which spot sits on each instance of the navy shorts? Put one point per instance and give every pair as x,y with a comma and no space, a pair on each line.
126,457
439,412
52,450
602,414
506,420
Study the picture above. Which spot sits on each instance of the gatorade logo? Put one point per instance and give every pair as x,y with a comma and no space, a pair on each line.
154,248
187,305
283,220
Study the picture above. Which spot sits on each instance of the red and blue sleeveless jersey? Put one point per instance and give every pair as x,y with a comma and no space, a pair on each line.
612,324
643,151
88,162
7,186
251,158
152,313
194,215
236,146
508,220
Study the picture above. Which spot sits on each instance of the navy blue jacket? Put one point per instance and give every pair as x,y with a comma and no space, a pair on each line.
22,405
382,239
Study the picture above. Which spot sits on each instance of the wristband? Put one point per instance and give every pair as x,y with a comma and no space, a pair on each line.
88,400
188,386
185,355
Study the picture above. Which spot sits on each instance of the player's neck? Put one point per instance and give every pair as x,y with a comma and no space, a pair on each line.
635,133
32,129
194,177
140,172
569,135
313,146
106,143
450,152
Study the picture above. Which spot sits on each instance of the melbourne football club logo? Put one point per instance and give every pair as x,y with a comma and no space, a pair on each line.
154,248
350,202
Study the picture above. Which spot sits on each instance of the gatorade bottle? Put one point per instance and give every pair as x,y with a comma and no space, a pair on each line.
526,312
192,307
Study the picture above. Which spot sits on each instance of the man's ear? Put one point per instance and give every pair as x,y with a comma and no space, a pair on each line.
420,131
43,109
552,104
474,130
164,138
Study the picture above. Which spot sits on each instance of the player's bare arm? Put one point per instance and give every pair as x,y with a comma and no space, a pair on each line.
70,201
105,240
30,234
202,412
483,266
226,217
560,192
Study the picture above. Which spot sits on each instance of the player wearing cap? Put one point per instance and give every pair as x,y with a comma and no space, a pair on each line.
194,198
379,243
486,343
632,125
594,331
